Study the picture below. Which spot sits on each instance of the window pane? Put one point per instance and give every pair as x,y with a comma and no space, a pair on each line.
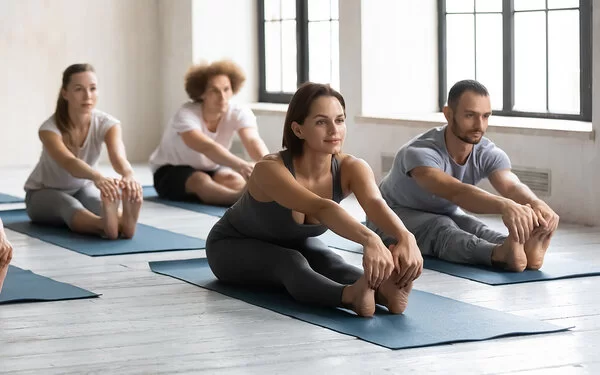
335,10
530,4
335,54
530,61
488,5
288,9
456,6
489,55
273,56
460,48
272,10
288,56
553,4
563,61
318,10
319,41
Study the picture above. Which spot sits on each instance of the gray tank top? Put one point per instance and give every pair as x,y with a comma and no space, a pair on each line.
270,221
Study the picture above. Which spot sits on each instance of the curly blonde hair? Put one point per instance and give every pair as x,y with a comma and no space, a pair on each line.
198,76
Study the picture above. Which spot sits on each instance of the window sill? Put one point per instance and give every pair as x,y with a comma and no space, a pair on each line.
497,124
268,108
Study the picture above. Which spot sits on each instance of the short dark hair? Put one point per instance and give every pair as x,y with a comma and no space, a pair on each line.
461,87
298,111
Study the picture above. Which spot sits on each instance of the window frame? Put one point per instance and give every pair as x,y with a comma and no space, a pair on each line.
585,63
301,53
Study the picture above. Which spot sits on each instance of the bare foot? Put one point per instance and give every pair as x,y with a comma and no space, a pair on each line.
110,218
510,256
3,272
393,297
360,298
535,249
131,213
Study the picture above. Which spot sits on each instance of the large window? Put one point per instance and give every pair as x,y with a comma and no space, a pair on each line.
534,56
298,42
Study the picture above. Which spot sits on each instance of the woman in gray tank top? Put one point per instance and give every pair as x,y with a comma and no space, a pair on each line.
268,236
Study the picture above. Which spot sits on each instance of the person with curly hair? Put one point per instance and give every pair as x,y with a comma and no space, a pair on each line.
193,160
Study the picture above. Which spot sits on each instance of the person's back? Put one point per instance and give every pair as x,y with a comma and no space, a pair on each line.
400,190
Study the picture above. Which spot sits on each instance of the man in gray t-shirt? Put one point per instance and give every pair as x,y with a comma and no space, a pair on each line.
433,179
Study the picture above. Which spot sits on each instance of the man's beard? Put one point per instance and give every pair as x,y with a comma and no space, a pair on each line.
454,128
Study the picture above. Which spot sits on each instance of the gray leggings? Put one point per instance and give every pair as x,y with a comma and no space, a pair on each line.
57,207
309,270
456,237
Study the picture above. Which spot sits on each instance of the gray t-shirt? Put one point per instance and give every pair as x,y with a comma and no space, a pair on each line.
400,190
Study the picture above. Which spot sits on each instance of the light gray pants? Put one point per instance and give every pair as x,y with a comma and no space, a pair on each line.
57,207
456,237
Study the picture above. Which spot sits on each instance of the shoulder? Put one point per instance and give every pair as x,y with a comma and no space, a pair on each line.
352,165
103,118
49,125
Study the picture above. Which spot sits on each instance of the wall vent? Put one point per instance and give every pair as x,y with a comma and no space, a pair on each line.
538,180
386,163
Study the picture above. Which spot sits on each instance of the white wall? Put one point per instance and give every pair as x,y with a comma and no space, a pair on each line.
39,39
400,60
175,29
226,29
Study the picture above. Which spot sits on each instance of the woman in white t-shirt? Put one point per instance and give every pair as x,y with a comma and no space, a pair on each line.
5,255
60,190
193,160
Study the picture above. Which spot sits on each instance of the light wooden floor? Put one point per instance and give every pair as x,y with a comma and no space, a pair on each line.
146,323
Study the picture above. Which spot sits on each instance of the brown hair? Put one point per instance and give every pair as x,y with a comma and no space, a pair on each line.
197,77
61,114
299,109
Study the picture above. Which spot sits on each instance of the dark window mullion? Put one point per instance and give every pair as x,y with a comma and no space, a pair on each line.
475,39
508,69
547,62
585,59
302,40
442,68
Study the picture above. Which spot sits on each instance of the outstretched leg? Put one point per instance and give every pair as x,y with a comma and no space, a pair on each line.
55,207
209,191
250,261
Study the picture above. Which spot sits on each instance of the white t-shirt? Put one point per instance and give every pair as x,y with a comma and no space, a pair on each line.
172,150
49,175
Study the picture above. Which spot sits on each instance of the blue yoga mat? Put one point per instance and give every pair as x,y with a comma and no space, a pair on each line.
147,239
429,319
25,286
555,267
151,195
5,198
